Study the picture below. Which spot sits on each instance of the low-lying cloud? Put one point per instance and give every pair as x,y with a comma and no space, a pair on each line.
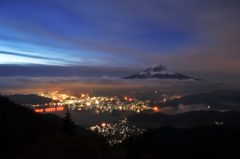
77,85
183,108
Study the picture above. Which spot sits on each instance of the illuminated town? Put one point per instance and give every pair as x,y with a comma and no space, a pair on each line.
117,131
87,103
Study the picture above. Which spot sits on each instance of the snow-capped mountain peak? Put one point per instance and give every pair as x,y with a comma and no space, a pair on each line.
156,69
160,72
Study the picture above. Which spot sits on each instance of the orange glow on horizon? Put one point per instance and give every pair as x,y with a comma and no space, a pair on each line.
49,109
156,109
38,110
103,124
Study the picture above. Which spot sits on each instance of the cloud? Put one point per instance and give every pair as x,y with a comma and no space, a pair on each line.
98,71
36,57
183,108
106,85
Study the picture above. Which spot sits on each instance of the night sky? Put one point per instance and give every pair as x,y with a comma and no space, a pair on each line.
91,43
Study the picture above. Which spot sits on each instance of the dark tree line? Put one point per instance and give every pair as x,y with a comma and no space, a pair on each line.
25,134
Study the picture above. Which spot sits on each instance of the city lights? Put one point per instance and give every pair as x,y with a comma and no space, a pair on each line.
88,103
117,131
103,124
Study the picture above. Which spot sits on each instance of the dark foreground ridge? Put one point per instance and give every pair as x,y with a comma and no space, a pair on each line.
26,134
190,119
215,142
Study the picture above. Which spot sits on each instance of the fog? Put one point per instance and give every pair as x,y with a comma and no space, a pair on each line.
110,86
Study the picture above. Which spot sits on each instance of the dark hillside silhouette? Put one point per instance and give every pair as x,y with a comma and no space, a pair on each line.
218,100
198,142
190,119
26,134
29,99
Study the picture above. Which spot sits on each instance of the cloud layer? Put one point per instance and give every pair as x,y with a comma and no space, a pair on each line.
105,85
183,108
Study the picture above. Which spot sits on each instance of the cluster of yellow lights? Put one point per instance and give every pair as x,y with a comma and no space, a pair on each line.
103,124
57,96
126,98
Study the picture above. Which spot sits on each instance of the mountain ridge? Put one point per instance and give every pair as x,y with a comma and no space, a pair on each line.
189,119
161,72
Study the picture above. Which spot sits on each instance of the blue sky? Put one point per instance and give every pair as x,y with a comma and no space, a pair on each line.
195,37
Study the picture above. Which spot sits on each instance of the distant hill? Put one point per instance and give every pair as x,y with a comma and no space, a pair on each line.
217,100
213,142
29,99
189,119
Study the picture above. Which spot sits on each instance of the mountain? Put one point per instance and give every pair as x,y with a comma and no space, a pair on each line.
218,100
29,99
186,143
27,134
161,72
189,119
